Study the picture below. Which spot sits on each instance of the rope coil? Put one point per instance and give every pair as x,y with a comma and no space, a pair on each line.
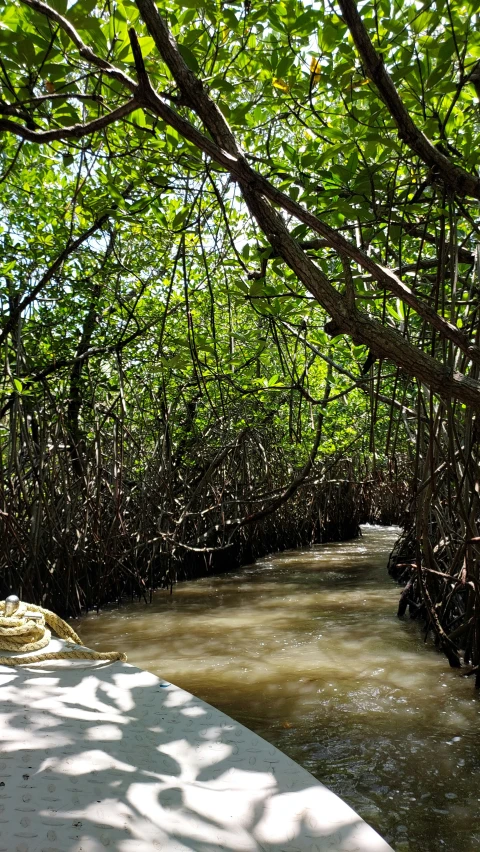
25,630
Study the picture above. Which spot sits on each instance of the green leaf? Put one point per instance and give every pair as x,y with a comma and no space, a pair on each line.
258,287
305,24
189,57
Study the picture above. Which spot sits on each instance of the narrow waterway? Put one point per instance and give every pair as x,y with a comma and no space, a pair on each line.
304,647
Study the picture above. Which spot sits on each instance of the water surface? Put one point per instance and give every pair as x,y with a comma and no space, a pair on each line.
304,647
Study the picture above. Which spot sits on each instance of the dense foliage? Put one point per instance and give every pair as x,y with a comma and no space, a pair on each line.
239,260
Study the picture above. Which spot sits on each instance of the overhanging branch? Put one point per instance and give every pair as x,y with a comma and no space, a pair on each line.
456,178
74,131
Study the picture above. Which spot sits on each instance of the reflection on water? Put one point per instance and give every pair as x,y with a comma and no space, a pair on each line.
304,648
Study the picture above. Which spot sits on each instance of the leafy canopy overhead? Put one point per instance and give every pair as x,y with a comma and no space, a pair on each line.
187,134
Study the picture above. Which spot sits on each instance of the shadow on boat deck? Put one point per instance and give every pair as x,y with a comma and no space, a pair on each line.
109,757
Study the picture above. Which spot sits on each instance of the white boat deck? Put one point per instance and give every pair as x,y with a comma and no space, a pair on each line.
97,757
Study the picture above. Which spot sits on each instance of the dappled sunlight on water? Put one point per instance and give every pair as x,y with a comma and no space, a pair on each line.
304,647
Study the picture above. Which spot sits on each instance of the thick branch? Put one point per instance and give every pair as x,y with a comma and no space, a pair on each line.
238,167
456,178
194,94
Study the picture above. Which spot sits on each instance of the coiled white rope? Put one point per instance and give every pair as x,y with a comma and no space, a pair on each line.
23,629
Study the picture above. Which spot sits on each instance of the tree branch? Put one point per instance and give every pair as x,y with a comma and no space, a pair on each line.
456,178
74,131
85,52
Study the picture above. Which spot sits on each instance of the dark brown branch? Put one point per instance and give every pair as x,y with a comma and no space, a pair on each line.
74,131
240,169
9,323
299,480
456,178
142,75
85,52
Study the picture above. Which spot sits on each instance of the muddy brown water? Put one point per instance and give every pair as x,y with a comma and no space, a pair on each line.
304,648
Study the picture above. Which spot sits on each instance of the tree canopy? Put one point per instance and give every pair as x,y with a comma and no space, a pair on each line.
358,126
